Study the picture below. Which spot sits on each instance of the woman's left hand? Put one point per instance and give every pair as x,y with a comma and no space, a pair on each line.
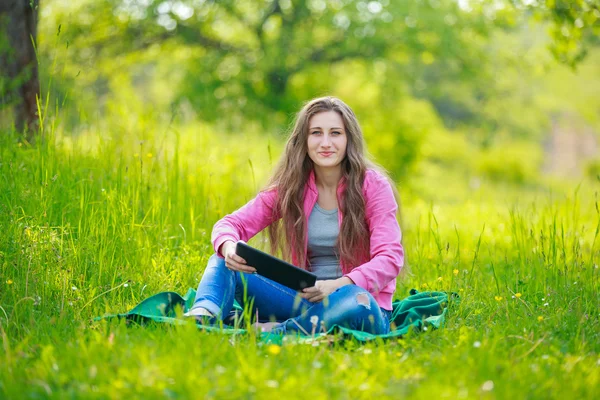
323,289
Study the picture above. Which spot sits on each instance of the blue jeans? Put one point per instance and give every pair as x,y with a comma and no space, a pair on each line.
349,306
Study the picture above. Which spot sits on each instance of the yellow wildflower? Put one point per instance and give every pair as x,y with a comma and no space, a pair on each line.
440,279
540,318
149,155
455,272
274,349
9,282
498,298
461,290
424,285
518,295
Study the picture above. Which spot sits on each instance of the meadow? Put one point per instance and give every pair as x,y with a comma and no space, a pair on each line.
94,223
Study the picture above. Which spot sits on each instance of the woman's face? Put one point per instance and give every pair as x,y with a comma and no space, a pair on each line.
327,139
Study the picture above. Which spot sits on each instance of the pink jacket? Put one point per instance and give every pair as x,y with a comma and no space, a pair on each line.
377,274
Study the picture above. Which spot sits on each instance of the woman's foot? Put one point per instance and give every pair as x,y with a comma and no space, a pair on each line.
202,315
265,326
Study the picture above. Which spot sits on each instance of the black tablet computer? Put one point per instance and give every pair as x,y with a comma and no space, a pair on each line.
274,268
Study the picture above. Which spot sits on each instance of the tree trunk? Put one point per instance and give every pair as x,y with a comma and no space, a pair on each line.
18,63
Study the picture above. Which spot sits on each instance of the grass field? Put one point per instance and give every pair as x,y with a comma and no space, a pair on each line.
93,224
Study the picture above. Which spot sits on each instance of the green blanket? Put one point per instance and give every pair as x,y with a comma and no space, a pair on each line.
417,311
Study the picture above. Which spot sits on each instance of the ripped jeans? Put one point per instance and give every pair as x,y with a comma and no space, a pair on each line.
349,306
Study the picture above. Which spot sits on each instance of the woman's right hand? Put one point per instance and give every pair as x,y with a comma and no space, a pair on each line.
232,260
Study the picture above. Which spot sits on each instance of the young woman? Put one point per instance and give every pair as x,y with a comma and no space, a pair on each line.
327,209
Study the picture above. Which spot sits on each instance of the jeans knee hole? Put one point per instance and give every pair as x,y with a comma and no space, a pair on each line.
363,300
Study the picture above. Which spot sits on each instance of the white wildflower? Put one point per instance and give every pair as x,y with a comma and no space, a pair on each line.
219,369
272,383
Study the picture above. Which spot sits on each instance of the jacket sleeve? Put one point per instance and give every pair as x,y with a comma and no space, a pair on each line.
245,222
387,253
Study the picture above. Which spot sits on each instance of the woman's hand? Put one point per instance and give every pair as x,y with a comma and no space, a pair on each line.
323,289
232,260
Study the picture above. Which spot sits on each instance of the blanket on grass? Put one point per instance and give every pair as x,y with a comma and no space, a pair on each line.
418,311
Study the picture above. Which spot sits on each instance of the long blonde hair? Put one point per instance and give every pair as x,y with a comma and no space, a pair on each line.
292,173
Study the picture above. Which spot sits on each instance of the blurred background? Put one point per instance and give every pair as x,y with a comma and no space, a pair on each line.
466,90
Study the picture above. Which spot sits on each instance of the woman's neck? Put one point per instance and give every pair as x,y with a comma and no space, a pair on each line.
328,179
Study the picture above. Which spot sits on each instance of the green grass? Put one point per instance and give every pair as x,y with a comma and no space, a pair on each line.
93,224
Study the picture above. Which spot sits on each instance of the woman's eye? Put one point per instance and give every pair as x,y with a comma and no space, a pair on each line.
336,133
315,132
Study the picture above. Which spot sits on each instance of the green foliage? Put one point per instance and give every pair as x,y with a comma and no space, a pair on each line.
575,26
513,162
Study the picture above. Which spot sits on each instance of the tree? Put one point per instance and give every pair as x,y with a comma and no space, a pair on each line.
19,84
247,53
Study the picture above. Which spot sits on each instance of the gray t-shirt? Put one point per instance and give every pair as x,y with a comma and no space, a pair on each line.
323,231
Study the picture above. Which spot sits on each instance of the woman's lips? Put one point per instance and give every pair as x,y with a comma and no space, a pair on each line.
326,154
